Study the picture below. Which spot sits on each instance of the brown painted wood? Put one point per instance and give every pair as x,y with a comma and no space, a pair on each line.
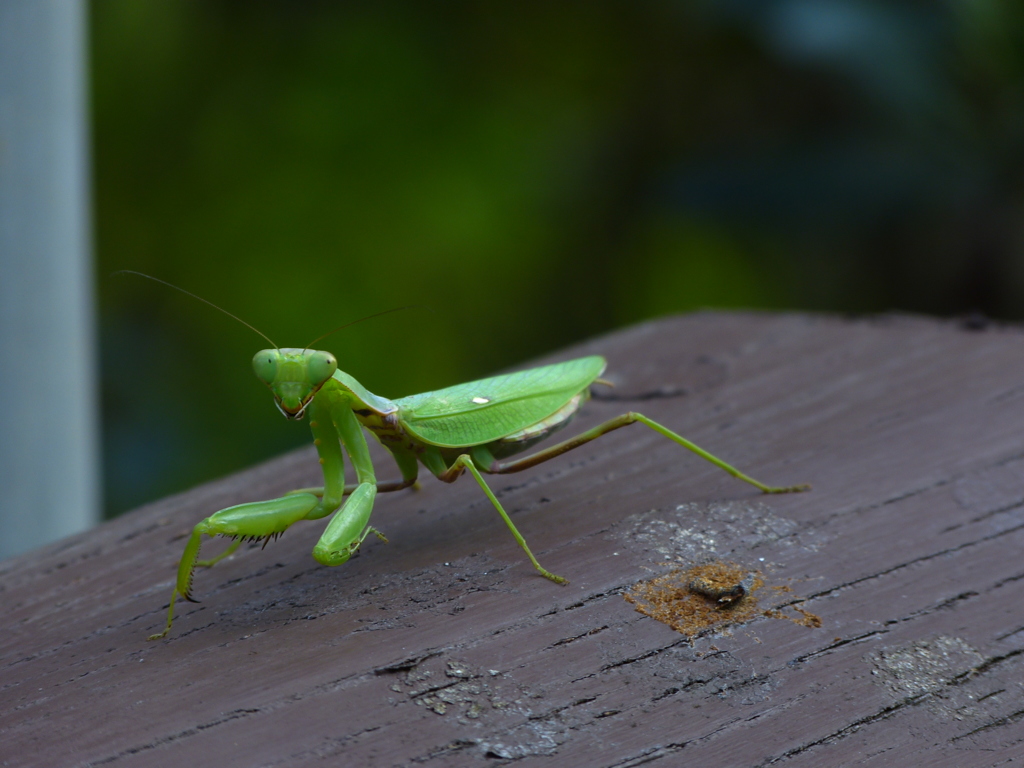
444,648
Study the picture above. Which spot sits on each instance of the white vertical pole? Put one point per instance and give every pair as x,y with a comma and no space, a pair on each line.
49,478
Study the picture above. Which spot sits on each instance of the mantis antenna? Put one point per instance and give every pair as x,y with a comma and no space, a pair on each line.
361,319
200,298
253,328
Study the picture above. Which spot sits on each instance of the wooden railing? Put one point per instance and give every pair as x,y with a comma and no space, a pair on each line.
444,647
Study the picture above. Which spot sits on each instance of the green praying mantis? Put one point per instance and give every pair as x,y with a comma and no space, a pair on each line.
479,427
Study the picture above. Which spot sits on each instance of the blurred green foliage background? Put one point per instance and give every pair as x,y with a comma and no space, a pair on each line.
533,172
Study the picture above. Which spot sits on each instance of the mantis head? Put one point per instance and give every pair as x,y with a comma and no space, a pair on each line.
294,376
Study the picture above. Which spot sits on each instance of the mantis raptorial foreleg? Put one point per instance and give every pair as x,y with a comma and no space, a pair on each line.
318,491
257,520
265,519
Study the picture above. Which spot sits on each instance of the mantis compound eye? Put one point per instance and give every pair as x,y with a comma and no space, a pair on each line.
322,366
264,363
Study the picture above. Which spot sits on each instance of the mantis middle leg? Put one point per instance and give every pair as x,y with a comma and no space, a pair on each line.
450,475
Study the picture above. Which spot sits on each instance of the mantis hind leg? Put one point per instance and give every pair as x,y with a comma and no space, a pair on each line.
517,465
453,472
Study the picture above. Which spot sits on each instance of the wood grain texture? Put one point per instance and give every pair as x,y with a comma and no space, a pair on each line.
445,648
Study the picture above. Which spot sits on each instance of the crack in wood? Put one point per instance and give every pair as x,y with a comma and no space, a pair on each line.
878,716
650,755
180,735
988,664
992,513
887,712
1009,719
1011,633
332,745
922,559
567,640
839,644
406,664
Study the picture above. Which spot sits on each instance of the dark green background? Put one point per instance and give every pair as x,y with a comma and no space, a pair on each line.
534,173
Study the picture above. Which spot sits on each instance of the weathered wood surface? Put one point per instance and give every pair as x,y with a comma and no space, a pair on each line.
445,648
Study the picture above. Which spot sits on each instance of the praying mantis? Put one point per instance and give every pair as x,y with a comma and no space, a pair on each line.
478,427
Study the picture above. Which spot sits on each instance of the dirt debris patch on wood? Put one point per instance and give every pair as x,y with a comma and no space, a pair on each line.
708,596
